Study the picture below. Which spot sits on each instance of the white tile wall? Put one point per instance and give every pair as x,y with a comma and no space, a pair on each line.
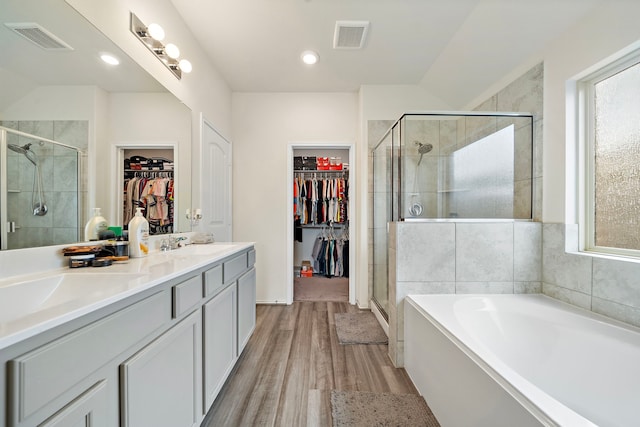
426,253
484,252
602,284
436,257
571,271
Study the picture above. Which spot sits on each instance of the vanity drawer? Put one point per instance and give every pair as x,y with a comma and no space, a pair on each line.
234,267
40,376
186,295
213,282
251,258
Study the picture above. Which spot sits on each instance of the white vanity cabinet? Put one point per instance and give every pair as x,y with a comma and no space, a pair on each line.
161,383
246,307
88,410
229,318
220,336
48,380
155,358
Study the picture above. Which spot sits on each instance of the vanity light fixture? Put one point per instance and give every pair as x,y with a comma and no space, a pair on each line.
172,51
155,31
185,65
309,57
151,36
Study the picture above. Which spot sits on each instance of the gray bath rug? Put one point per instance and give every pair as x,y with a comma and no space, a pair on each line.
363,408
359,328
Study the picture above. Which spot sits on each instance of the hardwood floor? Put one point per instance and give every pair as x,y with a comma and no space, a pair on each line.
290,365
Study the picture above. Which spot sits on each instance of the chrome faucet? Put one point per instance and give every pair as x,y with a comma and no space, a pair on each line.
170,243
175,241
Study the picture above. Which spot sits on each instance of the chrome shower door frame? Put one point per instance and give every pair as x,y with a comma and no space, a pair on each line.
3,190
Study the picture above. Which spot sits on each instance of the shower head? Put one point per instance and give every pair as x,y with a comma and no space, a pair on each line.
25,149
18,149
423,148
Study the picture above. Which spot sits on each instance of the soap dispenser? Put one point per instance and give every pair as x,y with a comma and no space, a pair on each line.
95,225
138,235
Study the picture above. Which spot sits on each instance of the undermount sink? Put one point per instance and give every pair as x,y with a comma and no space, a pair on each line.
22,298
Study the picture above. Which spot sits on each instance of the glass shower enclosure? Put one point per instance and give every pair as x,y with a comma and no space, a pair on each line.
40,191
449,166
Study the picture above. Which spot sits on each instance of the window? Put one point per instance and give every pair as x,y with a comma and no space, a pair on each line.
611,122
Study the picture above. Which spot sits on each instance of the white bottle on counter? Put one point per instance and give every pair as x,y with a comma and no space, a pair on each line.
95,225
138,235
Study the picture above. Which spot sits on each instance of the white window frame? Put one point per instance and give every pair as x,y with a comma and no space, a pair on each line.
586,87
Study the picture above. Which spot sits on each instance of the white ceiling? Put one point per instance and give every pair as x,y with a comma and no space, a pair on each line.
454,48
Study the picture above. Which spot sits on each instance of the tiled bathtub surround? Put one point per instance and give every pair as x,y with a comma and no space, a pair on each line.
459,257
598,283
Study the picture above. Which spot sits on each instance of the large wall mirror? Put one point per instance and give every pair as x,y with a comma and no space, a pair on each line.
54,85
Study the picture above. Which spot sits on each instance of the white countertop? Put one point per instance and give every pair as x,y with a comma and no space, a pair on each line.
34,303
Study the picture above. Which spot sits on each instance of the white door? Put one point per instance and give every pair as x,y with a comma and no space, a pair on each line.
216,183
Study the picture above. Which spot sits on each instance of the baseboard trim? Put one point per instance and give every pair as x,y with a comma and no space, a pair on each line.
276,302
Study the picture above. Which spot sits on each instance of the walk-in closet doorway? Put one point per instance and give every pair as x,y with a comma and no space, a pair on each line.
346,228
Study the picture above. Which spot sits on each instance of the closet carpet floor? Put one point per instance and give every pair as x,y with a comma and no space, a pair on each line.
320,288
286,373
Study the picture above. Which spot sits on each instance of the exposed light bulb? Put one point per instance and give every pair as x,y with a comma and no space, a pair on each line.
109,59
185,66
172,51
155,31
309,57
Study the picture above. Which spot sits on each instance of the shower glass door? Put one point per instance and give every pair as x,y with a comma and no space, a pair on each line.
39,192
386,167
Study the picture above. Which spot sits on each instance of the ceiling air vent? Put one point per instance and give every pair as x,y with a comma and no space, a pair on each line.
38,35
350,34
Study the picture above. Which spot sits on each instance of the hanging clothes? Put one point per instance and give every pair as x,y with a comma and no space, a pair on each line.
330,254
324,200
154,192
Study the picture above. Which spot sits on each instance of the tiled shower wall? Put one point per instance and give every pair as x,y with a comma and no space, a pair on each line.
59,170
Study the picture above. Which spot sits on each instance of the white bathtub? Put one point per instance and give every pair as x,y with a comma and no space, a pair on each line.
521,360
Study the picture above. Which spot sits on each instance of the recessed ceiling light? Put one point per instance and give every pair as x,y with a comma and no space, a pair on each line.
109,59
309,57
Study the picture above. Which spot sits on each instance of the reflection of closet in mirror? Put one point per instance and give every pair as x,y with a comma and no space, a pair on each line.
148,183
